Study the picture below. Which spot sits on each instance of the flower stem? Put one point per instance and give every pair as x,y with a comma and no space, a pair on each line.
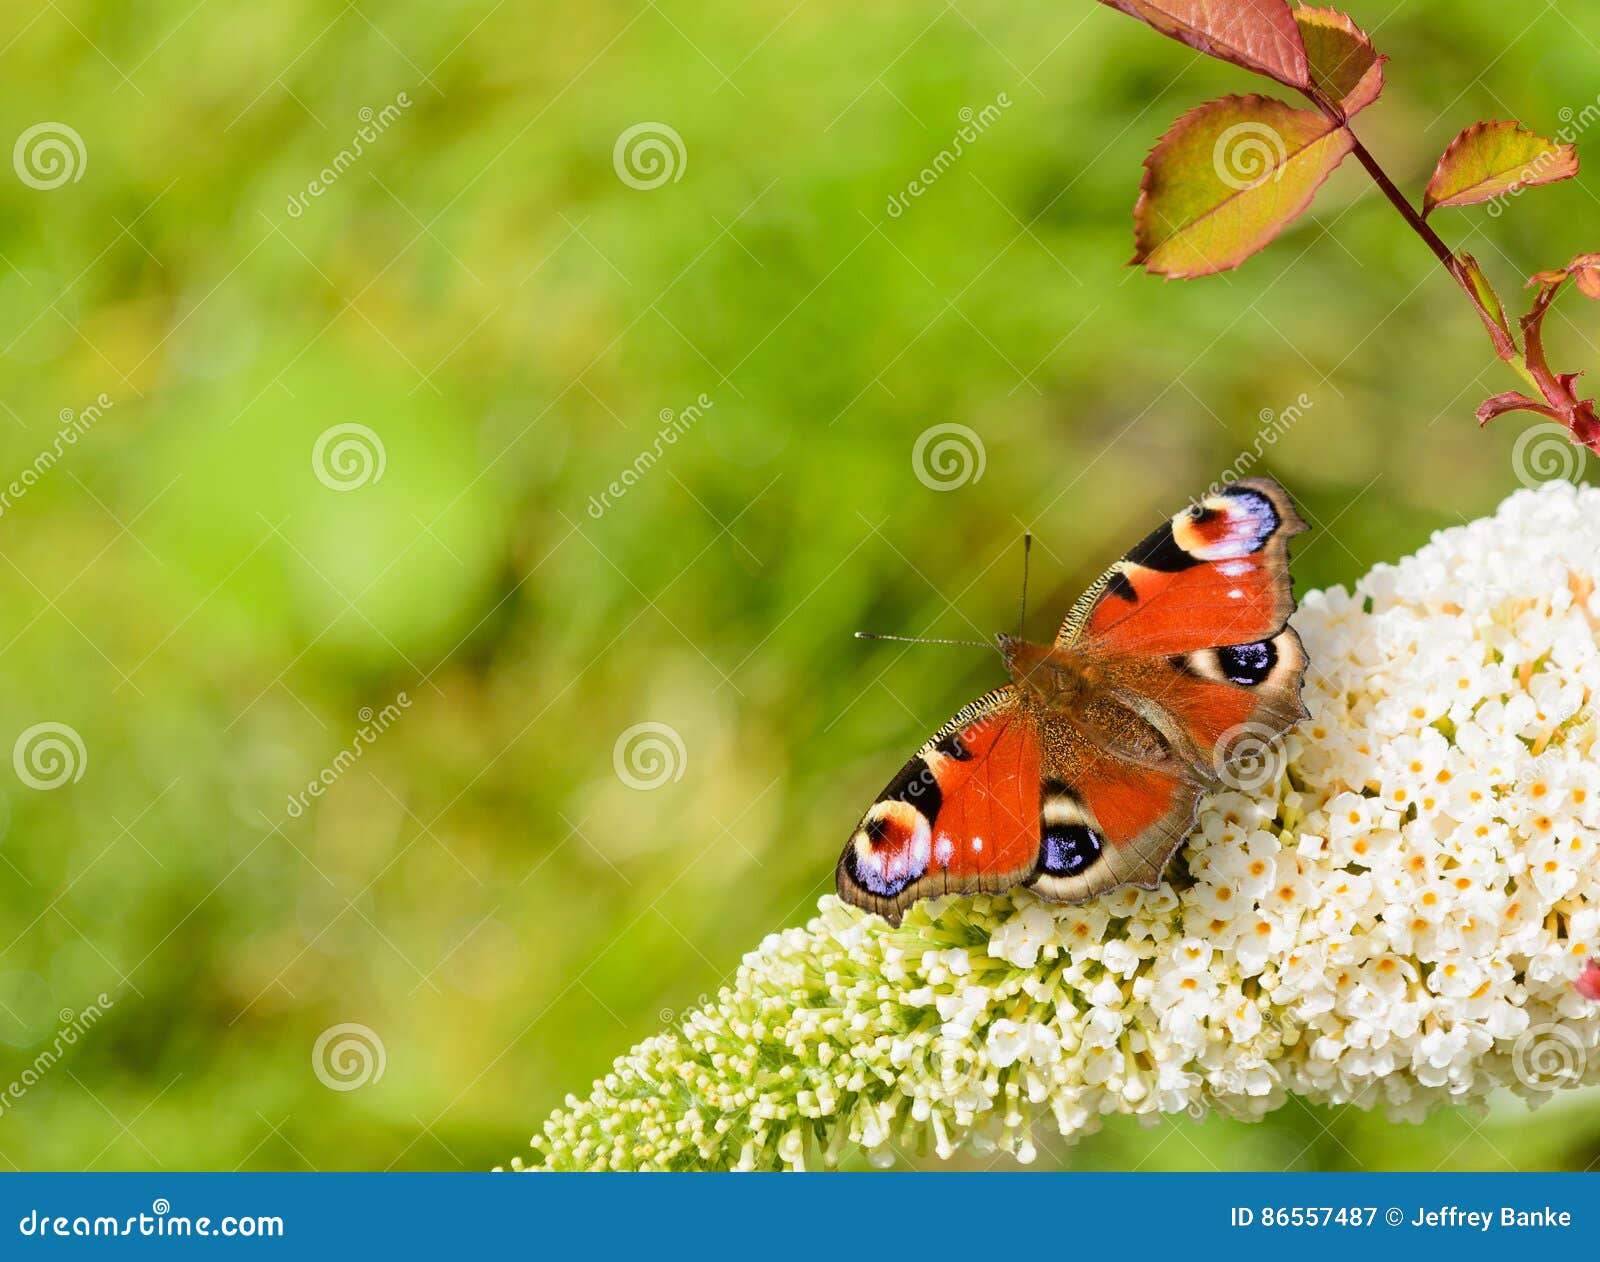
1380,177
1500,335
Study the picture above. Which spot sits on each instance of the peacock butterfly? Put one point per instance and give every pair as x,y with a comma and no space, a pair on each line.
1084,773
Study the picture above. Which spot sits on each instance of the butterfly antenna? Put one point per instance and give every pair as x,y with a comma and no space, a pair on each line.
1022,615
918,639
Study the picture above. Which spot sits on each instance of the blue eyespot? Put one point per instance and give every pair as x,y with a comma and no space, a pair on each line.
1247,664
1068,849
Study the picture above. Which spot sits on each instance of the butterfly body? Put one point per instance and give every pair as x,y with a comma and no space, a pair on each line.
1084,772
1051,676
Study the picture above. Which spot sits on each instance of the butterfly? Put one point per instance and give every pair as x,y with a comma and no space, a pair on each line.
1084,773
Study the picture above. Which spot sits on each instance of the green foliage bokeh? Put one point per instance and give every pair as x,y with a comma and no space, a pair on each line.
484,292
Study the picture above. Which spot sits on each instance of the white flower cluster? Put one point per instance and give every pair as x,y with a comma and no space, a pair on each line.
1398,920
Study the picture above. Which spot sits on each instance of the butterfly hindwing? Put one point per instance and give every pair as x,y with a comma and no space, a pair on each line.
1234,696
962,815
1115,808
1110,825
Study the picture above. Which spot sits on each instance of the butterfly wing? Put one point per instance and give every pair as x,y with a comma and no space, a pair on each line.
1104,820
1123,779
1215,574
962,815
1190,633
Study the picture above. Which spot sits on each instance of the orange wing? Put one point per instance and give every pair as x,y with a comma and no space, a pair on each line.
1119,798
1110,824
1216,574
962,815
1191,631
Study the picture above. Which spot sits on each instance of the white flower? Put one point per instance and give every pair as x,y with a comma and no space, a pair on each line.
1020,939
1008,1042
1398,922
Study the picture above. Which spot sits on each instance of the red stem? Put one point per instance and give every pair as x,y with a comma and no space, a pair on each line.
1504,345
1381,178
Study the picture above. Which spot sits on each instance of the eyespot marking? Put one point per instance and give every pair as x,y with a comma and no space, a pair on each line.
1161,551
1069,849
1247,664
890,850
1231,525
1069,844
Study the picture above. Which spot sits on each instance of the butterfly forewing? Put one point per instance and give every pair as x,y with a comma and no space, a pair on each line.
962,814
1216,574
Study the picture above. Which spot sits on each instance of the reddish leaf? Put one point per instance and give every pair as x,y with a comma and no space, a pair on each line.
1226,179
1584,270
1259,35
1491,160
1488,304
1578,415
1512,401
1343,64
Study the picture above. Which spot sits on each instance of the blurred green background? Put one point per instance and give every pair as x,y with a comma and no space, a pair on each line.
510,319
